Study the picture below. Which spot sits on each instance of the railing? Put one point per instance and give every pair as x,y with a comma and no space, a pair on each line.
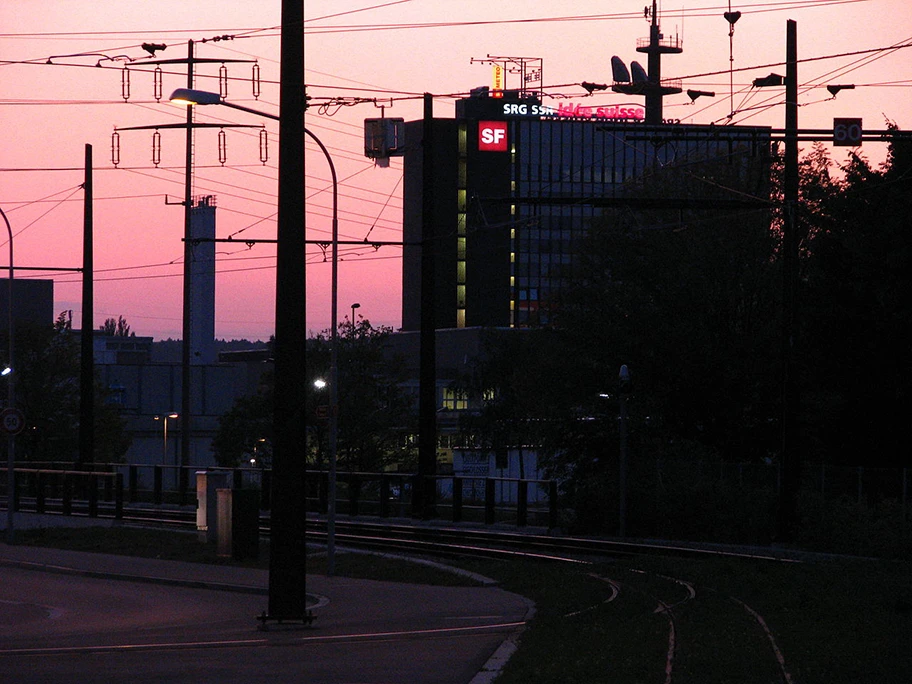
79,487
470,499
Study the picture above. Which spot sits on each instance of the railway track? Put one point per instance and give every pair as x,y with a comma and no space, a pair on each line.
435,538
675,605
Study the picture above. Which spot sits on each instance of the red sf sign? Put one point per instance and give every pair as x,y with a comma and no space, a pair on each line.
492,136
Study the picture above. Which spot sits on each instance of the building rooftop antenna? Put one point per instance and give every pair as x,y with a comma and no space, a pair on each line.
731,18
649,82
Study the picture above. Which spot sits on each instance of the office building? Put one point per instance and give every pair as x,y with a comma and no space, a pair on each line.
515,185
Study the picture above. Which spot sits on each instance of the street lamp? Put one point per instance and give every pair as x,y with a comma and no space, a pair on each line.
188,96
356,305
320,384
624,387
10,399
164,420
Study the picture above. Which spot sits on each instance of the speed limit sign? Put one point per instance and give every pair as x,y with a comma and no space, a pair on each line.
847,132
12,421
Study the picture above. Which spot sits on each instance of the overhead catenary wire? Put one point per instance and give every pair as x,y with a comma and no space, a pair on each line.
807,4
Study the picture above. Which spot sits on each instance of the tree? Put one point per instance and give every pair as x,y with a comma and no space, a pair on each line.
116,328
688,299
243,429
519,383
857,313
47,391
373,413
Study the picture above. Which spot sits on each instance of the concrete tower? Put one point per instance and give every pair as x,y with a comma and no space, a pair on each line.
202,281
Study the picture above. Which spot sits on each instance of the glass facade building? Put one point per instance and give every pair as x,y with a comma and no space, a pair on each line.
514,187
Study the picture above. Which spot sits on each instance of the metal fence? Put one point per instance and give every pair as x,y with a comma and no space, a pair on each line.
474,499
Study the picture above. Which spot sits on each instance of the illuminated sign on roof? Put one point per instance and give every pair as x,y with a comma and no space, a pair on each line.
488,108
627,112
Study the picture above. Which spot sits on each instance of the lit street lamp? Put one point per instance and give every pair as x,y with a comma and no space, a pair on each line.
189,96
320,384
624,388
164,420
10,400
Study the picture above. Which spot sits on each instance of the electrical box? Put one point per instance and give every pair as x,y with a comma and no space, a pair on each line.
384,138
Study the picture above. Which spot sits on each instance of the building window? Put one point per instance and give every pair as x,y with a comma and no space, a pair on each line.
455,400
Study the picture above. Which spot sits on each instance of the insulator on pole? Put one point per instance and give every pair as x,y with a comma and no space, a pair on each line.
125,83
157,83
115,148
156,148
222,146
264,146
223,81
255,80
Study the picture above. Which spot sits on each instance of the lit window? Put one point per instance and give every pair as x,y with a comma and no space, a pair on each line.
455,400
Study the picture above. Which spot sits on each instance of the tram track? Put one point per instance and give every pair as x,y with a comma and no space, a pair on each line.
683,605
434,537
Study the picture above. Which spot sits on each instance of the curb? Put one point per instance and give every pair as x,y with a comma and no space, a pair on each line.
147,579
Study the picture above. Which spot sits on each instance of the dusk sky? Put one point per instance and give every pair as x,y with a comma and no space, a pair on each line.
63,86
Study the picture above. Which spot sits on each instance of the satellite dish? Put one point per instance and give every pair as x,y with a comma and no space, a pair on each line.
619,70
639,73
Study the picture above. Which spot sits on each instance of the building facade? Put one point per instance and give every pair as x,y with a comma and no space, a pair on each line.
33,302
514,186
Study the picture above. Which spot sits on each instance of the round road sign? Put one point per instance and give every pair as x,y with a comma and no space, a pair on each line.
12,421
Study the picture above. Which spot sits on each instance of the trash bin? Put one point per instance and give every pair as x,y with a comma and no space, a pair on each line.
238,523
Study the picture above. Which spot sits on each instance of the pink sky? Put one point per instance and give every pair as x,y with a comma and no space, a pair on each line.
388,51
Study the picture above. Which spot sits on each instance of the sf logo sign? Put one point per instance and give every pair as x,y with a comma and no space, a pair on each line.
492,136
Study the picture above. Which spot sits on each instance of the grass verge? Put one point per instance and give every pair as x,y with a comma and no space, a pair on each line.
184,546
833,622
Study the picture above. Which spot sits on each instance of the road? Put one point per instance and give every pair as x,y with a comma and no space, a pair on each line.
76,617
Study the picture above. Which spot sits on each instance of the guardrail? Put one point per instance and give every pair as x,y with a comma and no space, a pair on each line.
84,488
460,498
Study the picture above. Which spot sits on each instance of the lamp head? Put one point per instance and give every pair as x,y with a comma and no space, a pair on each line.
694,94
188,96
6,370
766,81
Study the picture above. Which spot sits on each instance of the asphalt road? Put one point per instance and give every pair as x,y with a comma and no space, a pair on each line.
78,617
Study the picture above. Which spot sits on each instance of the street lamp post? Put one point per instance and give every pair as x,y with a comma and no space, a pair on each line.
356,305
164,420
320,384
624,455
190,96
9,373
